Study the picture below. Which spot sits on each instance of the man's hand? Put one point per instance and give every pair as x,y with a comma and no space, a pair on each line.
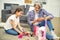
48,18
35,20
41,19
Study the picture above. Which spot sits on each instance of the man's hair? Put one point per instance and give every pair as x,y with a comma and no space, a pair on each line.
17,10
39,3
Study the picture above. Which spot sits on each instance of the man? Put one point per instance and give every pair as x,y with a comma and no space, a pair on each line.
37,17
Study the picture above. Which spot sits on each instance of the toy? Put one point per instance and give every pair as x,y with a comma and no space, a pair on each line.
20,36
40,32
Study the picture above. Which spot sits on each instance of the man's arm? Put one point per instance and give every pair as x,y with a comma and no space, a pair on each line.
13,26
30,18
48,15
42,18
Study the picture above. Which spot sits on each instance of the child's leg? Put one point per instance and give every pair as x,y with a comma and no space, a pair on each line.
11,31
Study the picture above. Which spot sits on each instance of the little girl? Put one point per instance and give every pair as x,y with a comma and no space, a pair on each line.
13,22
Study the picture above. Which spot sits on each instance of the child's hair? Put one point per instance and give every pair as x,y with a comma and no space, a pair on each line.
18,10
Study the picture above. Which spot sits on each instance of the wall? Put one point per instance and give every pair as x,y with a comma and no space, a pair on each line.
20,2
52,6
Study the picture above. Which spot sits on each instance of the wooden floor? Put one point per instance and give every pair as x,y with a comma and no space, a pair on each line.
56,25
55,22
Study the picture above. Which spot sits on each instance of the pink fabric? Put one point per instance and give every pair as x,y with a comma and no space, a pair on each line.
40,32
35,30
20,36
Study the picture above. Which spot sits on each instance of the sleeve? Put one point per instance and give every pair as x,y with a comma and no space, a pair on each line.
29,18
48,14
12,17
